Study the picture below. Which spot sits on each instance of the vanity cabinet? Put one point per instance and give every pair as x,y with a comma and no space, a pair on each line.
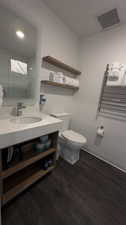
23,172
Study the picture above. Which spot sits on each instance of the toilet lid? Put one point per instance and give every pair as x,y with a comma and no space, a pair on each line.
74,137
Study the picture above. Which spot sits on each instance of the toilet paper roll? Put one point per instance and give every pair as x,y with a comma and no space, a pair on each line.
100,131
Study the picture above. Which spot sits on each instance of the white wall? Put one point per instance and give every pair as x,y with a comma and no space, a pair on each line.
55,39
96,52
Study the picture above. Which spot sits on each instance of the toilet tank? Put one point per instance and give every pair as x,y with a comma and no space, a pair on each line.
65,117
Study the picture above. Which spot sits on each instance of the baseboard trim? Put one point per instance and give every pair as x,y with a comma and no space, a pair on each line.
104,160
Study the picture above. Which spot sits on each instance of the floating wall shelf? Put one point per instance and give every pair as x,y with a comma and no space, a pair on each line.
61,65
52,83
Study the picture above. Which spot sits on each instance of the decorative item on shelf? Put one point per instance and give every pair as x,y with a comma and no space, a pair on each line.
4,157
52,76
45,74
48,162
43,144
45,165
48,144
39,147
19,154
12,154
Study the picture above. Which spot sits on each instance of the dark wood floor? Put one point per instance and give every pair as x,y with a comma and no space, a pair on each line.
89,193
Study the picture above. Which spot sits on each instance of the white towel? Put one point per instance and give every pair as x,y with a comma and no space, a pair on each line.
60,77
68,80
57,77
71,81
75,83
116,74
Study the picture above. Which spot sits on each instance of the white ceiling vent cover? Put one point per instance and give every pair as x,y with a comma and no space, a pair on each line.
109,19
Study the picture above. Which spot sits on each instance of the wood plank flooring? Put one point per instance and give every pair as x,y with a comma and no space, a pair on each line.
88,193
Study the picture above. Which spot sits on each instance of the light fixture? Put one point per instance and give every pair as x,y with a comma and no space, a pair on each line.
20,34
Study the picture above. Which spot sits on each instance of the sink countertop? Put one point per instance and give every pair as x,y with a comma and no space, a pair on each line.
13,133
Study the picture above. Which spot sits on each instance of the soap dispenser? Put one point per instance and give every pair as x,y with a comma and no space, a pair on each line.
42,101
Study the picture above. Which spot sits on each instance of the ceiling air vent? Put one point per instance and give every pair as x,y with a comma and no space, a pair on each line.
109,19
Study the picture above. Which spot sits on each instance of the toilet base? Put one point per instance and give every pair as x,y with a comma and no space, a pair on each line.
68,154
72,162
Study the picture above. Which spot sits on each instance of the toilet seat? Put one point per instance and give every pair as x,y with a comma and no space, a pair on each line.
74,137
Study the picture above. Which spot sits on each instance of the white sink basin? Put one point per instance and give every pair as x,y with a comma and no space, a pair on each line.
26,120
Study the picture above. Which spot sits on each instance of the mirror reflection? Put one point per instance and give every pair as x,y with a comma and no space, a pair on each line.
18,53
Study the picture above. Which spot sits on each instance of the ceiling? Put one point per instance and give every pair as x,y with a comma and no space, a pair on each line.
81,15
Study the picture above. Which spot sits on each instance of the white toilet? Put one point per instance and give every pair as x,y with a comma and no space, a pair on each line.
69,142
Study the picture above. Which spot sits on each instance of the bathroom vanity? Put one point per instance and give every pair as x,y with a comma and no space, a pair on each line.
25,132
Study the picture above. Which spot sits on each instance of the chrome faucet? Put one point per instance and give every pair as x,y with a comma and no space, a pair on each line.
19,108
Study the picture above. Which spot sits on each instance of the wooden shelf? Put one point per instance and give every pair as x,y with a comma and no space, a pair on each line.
20,183
56,62
52,83
22,174
29,158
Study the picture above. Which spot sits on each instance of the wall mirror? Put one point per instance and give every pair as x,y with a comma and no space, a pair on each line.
18,58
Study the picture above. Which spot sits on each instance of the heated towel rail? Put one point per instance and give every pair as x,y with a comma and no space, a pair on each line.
112,99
